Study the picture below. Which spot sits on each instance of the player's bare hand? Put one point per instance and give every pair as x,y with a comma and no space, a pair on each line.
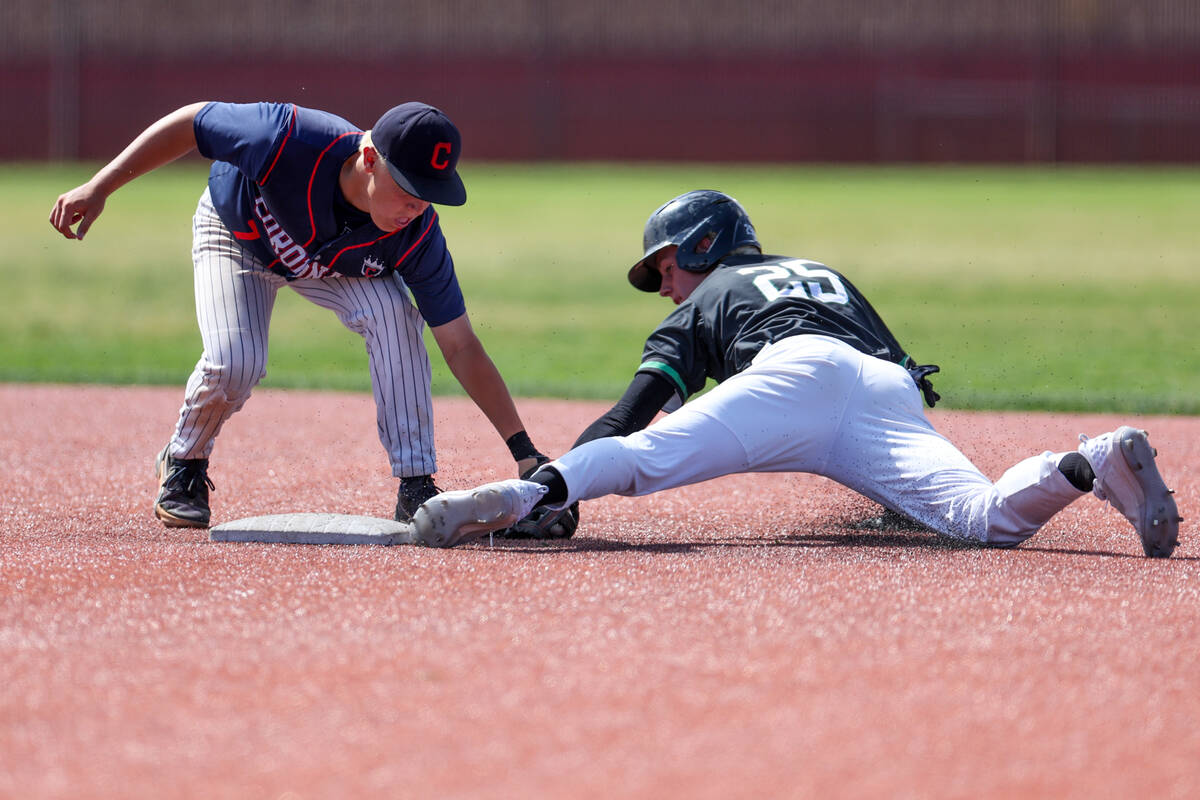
528,466
75,211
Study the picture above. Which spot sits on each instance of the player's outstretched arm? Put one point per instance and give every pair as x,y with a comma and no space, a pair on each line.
161,143
475,371
647,394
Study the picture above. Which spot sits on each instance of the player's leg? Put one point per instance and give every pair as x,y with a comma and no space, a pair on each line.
235,295
684,448
925,477
234,298
381,312
780,414
745,424
890,452
812,404
688,446
816,405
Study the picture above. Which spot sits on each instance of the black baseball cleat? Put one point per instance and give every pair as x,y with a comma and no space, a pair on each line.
413,492
183,486
1127,477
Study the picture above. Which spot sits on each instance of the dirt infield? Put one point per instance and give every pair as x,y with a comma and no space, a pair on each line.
744,638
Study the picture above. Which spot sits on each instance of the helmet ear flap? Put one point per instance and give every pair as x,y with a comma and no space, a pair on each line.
698,248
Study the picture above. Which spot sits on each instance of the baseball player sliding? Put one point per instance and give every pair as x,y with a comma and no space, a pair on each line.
810,379
302,198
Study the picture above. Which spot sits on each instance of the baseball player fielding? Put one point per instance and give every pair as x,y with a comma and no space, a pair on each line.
302,199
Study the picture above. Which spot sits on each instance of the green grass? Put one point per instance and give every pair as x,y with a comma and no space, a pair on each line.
1055,288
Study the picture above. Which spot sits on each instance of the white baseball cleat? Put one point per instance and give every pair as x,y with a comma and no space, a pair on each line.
1127,477
452,518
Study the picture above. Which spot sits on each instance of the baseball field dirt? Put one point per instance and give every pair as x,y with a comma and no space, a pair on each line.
751,637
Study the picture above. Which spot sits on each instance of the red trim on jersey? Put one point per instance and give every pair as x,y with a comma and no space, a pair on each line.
312,223
279,152
420,238
364,244
251,234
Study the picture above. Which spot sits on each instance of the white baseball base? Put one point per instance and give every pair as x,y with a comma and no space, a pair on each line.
309,528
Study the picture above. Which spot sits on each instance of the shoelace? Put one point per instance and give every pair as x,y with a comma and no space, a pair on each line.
189,479
421,491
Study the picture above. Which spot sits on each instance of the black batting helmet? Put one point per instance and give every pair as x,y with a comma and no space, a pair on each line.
705,225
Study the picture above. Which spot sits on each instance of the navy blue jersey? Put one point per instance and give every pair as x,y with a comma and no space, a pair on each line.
751,301
275,185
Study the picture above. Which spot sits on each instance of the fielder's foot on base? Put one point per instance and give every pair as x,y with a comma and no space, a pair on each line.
454,517
413,492
183,486
1127,477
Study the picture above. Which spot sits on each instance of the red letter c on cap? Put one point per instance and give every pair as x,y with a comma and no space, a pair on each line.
441,155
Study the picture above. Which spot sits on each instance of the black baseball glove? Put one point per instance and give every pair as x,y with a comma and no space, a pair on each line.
545,523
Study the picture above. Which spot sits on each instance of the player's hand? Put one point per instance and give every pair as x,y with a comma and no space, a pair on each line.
528,466
78,207
920,374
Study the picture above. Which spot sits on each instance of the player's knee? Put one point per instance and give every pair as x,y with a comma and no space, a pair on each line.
235,378
390,314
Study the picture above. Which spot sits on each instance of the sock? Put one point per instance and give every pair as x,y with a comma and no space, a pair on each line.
552,480
1078,471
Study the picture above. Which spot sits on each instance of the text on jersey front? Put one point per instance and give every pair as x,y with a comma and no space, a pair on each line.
290,252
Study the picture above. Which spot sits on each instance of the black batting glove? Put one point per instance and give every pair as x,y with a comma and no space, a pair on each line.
920,374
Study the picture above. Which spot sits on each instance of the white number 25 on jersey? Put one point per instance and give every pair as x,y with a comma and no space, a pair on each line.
796,276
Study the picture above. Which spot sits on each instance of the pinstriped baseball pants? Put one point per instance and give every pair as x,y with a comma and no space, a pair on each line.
235,294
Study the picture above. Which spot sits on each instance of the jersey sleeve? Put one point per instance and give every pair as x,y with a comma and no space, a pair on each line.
428,271
673,352
247,135
647,394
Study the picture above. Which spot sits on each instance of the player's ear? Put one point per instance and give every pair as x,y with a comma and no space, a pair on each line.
370,155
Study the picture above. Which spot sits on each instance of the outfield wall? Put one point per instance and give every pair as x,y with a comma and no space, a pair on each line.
855,81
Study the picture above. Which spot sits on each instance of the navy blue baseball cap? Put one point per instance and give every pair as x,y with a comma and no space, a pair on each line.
420,146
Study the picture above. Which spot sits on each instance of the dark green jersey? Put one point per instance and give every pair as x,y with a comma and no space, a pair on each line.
750,301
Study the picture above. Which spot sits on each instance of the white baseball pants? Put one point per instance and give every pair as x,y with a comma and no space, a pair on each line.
235,294
814,404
